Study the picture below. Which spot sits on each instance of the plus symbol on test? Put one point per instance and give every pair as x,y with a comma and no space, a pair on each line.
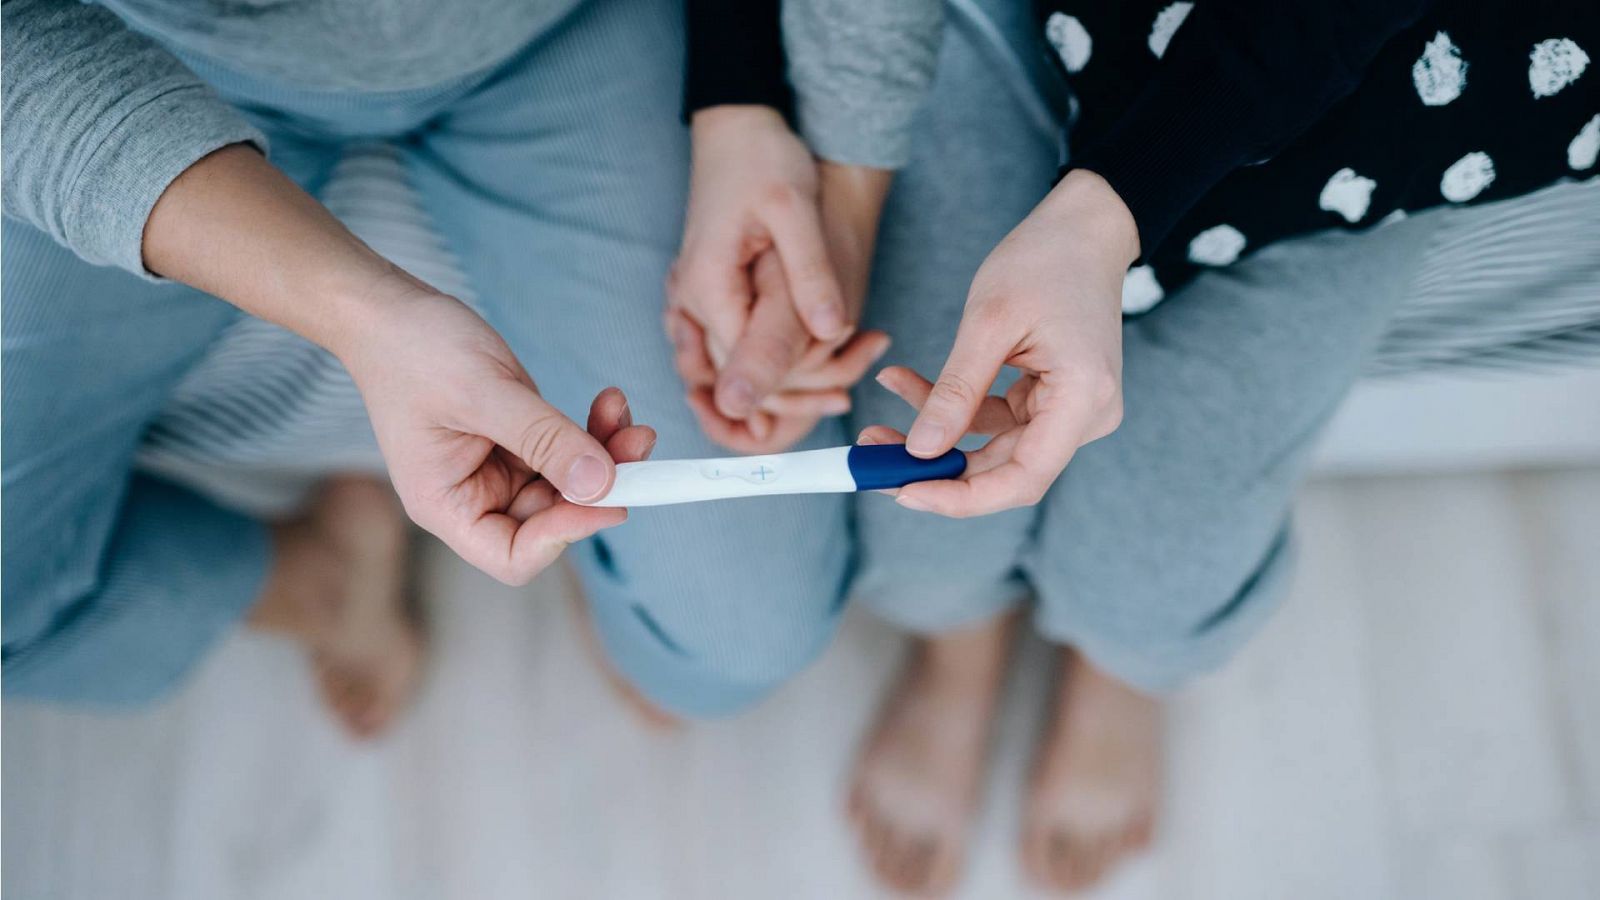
762,472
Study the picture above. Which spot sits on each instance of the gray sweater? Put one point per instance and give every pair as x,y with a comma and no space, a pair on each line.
100,114
860,69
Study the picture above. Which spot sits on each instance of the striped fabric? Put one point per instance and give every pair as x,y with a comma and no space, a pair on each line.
1514,285
1511,285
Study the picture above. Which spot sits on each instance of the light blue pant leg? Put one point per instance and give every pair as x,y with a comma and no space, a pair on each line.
986,153
561,186
115,584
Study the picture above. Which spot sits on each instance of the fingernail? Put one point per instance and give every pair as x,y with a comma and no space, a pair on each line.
880,376
910,502
882,349
587,478
925,439
837,406
827,321
864,440
739,396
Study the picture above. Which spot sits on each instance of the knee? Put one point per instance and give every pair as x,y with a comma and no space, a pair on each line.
50,662
705,639
744,645
1155,632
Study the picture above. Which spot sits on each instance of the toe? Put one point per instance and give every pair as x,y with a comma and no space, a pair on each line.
944,865
883,857
374,715
903,862
887,862
919,864
873,832
1141,834
919,861
1099,853
1063,861
880,862
855,804
1036,853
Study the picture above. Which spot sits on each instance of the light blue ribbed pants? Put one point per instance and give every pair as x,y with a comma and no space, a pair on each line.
558,179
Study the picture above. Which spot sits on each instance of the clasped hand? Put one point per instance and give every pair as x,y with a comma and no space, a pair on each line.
769,283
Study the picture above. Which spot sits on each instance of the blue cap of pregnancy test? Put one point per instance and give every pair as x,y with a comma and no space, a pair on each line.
878,466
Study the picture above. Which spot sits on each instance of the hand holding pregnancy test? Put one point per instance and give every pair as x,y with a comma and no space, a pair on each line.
831,471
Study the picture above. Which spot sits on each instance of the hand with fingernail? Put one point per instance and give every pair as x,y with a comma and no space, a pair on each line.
1048,302
477,456
770,280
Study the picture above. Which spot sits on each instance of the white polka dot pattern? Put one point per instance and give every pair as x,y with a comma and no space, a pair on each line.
1140,290
1439,73
1217,246
1166,25
1347,194
1554,64
1071,40
1467,177
1583,150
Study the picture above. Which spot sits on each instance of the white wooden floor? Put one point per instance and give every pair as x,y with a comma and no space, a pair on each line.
1422,721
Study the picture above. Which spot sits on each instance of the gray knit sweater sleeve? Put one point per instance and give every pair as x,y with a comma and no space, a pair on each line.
98,121
860,69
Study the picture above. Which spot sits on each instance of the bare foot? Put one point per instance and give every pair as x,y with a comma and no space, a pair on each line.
339,587
915,785
1096,783
638,705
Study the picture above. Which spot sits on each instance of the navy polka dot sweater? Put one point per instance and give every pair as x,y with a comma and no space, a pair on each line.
1227,125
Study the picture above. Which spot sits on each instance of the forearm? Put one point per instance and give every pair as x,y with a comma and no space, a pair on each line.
234,226
851,200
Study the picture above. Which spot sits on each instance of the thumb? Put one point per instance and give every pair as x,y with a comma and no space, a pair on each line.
768,349
953,402
550,443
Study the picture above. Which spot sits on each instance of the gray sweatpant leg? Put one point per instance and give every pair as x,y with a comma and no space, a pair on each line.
1164,546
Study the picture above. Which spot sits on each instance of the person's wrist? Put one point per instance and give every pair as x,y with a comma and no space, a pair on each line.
853,195
733,120
1087,204
851,200
361,302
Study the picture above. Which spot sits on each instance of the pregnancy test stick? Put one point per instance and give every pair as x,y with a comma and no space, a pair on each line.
835,470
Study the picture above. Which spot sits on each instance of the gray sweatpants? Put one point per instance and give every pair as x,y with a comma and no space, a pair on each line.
1164,546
